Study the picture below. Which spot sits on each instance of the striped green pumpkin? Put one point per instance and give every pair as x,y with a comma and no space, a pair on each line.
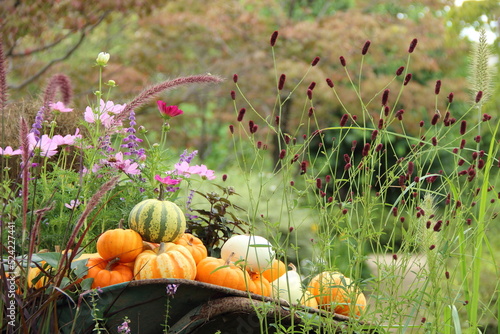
157,221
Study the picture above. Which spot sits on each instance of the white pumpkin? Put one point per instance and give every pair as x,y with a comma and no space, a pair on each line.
256,252
288,287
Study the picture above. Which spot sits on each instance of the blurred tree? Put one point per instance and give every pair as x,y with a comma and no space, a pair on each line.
38,34
220,37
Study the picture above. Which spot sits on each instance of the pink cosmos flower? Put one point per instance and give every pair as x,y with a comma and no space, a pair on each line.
68,139
105,114
127,166
59,106
184,169
202,171
168,111
44,146
8,151
167,180
72,204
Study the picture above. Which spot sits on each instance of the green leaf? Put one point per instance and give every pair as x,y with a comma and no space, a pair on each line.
52,259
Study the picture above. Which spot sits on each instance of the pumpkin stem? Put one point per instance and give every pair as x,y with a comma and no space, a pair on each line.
160,196
190,241
161,250
228,260
112,263
120,224
292,266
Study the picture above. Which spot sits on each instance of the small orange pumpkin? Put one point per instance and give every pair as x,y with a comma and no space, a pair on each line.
261,285
308,300
223,273
167,261
37,277
276,269
194,245
120,243
107,273
334,292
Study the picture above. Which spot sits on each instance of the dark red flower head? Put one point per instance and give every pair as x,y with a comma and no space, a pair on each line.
168,111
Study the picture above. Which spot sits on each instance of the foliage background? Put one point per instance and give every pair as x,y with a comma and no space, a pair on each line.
151,41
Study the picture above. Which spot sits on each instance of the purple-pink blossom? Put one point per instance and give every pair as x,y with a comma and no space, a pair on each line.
167,180
68,139
8,151
44,146
127,166
73,204
184,169
168,111
105,114
60,107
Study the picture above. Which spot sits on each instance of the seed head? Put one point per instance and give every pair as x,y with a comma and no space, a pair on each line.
385,97
463,127
231,128
366,149
274,37
281,82
235,78
233,95
309,94
435,118
344,119
342,61
315,61
365,48
413,44
407,79
374,134
400,70
437,88
379,147
310,112
329,82
241,114
479,95
450,98
282,153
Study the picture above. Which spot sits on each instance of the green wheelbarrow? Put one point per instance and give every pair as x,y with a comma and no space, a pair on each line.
188,307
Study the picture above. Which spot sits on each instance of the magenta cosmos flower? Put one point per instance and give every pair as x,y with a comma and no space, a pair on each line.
168,111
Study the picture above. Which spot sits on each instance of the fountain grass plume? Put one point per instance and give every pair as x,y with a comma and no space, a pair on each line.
150,92
57,82
481,75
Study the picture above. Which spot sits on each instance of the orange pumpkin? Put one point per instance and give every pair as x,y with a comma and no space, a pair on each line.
334,292
223,273
37,277
277,269
167,261
194,245
308,300
261,285
107,273
120,243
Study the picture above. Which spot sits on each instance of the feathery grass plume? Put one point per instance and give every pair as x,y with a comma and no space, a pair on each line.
150,92
61,82
481,75
24,173
3,82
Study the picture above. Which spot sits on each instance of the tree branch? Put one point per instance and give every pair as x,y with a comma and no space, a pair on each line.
50,64
44,69
40,49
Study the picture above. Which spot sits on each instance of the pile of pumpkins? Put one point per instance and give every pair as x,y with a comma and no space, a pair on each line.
156,246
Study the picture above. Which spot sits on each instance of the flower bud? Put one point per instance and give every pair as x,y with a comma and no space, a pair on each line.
102,58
